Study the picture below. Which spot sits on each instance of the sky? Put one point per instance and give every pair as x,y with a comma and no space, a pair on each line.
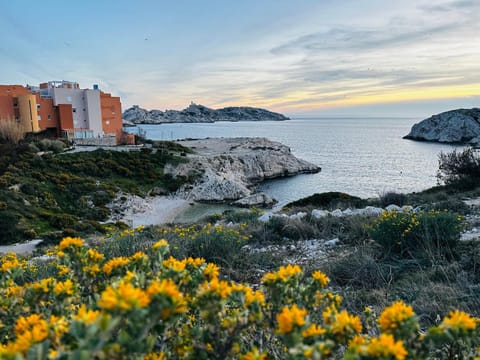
409,58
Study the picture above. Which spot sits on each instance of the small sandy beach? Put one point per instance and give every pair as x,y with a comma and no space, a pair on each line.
151,210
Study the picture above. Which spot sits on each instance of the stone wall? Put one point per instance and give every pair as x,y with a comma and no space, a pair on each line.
103,141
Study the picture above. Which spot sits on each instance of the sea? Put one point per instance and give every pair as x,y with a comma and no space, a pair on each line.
365,157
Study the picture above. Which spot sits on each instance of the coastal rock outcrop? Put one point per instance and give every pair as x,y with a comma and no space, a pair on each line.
197,113
227,169
461,126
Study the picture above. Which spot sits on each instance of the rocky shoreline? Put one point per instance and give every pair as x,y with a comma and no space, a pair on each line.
227,169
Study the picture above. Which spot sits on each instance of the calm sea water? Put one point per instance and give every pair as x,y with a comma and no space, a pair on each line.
360,156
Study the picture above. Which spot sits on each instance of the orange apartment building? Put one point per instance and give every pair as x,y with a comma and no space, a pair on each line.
74,113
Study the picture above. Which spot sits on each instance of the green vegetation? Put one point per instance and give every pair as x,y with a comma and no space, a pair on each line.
411,234
461,169
329,200
122,296
43,189
85,303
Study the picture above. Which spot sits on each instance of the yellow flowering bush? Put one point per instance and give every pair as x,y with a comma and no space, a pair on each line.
406,233
150,305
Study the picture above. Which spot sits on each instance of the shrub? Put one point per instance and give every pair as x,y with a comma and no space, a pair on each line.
391,197
9,229
459,168
152,306
11,131
408,234
329,200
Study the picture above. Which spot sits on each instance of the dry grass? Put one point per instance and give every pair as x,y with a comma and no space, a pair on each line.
11,130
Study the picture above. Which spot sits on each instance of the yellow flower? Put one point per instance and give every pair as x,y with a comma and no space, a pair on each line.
313,330
219,287
255,354
345,323
63,270
211,271
159,244
94,255
66,287
155,356
91,270
138,255
44,285
169,288
253,296
290,317
394,315
59,325
10,261
458,320
123,297
321,278
70,242
195,262
174,264
86,316
385,346
283,274
29,330
357,340
115,263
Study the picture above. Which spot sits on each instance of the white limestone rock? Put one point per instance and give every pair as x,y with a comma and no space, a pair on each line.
393,207
298,216
228,168
337,213
317,214
455,126
258,199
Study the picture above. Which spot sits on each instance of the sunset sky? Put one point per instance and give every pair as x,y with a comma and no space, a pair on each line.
299,57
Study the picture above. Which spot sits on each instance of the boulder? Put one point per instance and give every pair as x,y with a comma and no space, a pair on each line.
393,207
258,199
317,214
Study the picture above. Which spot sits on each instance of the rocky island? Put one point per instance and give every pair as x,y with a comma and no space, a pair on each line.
461,126
227,169
198,113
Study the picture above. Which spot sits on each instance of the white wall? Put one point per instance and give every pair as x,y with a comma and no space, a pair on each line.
94,111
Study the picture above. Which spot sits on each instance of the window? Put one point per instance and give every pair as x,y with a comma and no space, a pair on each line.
107,122
113,112
49,117
69,98
38,106
15,105
39,117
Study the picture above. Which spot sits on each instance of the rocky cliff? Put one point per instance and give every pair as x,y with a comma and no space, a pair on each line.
455,126
227,169
198,113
